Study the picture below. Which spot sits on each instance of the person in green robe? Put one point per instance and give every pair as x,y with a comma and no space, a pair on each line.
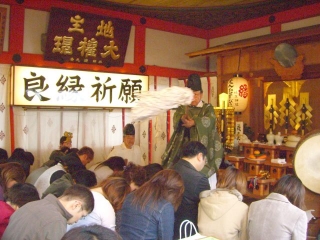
195,122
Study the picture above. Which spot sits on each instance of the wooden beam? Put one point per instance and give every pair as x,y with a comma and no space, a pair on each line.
309,33
269,75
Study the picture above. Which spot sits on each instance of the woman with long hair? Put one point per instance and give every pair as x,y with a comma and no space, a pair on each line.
148,212
280,215
108,196
10,174
222,214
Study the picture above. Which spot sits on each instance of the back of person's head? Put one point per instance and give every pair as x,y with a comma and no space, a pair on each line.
11,171
135,174
91,232
3,155
29,157
85,177
80,193
193,148
152,169
291,187
22,193
71,164
18,153
116,163
115,190
86,150
166,184
72,167
233,178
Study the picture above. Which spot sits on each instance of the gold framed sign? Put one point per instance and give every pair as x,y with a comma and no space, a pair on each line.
50,87
81,37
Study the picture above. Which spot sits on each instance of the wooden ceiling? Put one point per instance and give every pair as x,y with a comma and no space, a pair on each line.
203,14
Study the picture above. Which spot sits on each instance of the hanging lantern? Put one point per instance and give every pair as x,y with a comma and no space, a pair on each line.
238,92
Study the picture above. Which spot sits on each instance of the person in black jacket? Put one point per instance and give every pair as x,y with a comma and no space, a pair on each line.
189,167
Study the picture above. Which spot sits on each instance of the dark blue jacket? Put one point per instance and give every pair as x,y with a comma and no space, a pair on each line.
152,223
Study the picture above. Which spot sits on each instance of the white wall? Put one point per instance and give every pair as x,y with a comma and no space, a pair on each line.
35,24
239,36
301,23
168,50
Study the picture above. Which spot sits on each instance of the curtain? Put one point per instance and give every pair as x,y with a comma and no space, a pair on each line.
5,137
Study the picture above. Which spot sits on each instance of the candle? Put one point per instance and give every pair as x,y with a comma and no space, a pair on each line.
222,125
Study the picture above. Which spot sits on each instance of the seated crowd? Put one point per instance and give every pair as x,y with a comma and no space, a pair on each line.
120,199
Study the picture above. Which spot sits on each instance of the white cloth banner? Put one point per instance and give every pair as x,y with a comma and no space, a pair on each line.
5,138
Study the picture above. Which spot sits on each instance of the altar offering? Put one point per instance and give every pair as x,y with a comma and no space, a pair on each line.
279,160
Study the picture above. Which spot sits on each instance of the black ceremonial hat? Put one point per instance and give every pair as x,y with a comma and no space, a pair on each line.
129,129
194,82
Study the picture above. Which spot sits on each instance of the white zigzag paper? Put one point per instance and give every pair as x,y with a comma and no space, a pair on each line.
152,103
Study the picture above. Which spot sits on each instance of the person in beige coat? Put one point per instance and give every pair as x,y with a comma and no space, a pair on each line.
222,214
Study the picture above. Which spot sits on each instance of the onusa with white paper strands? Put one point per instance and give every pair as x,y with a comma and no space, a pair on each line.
152,103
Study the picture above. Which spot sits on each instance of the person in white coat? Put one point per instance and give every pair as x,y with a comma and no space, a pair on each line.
128,150
280,214
222,214
108,199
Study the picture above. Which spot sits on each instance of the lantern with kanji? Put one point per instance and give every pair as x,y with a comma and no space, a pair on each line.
238,92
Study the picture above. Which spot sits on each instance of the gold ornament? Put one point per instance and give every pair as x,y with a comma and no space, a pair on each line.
68,135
